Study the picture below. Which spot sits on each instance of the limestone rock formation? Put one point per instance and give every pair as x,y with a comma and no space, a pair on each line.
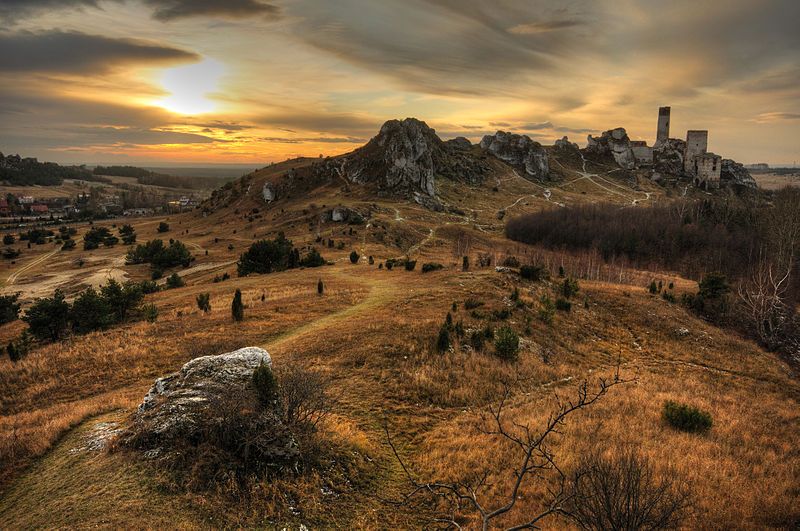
614,142
181,406
520,151
268,192
405,157
565,145
460,142
668,157
735,173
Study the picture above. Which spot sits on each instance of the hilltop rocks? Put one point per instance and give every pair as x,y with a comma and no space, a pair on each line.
668,157
518,150
184,406
565,145
614,142
405,158
460,142
732,172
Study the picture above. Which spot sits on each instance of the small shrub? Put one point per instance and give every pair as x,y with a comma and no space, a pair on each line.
547,310
533,272
237,307
175,281
668,296
569,287
8,239
354,257
163,227
265,385
9,308
511,261
471,304
465,263
515,294
563,305
501,315
410,265
68,245
488,332
320,287
431,266
443,341
371,260
150,313
686,418
560,271
506,343
204,302
653,289
477,340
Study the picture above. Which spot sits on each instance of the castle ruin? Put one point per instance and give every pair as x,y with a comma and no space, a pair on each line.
701,165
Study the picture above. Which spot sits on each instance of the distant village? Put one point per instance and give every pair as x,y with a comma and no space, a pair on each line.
83,205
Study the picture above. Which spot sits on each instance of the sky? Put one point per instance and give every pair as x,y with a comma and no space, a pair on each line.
177,82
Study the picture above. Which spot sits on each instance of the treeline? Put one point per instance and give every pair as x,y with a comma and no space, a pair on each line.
692,238
151,178
19,171
746,254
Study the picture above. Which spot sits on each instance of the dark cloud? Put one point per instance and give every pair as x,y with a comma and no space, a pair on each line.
164,10
325,122
174,9
324,139
535,126
533,28
220,125
777,117
73,52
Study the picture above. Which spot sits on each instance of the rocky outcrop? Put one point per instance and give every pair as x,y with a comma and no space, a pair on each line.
518,150
460,142
731,172
614,142
405,158
342,214
181,407
668,157
565,145
268,192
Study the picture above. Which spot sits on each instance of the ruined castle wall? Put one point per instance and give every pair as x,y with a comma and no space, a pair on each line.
707,169
643,154
662,132
696,144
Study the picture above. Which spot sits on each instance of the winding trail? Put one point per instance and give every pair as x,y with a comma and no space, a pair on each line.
12,278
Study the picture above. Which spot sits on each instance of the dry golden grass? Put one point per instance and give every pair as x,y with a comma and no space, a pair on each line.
372,334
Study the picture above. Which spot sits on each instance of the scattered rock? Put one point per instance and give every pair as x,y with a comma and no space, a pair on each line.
98,438
668,157
682,332
268,192
565,145
520,151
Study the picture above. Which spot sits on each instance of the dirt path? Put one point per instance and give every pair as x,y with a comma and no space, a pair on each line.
12,278
380,292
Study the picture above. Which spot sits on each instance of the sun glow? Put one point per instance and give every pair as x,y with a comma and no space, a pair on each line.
189,87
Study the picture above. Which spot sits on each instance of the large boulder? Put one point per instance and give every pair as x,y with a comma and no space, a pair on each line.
734,173
614,142
268,192
518,150
204,395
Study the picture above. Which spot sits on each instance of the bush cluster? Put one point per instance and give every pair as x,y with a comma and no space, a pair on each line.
160,256
686,418
268,256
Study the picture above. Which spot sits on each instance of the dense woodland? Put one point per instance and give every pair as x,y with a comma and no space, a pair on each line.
752,243
18,171
147,177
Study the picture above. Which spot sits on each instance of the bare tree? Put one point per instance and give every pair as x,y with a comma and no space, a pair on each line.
624,493
462,245
535,459
763,297
304,396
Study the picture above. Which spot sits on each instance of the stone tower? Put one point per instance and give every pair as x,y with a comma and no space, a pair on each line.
662,133
696,144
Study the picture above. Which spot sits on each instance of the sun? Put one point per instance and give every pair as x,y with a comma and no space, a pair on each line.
189,87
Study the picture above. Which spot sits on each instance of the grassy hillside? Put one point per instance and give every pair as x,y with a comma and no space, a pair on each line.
373,333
